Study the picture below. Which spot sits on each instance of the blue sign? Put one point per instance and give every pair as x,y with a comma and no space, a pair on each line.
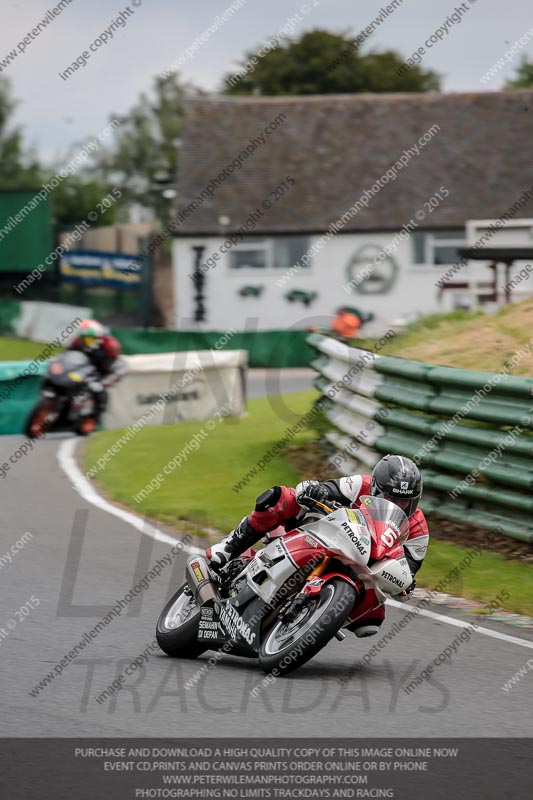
94,268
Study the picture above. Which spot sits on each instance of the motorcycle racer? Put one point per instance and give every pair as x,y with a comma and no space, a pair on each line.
103,351
394,478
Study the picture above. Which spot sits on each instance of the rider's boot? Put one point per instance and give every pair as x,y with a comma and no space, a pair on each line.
232,545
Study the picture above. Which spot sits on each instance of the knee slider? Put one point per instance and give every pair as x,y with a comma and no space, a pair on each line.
268,499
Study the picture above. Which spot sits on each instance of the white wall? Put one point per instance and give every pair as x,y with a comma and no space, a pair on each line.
413,293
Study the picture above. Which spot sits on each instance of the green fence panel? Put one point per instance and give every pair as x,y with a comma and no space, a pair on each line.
9,311
265,348
19,389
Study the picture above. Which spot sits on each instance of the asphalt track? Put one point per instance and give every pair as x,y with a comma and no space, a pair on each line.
463,697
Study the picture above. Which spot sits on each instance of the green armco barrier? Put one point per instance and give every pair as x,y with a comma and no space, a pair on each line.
414,370
265,348
460,432
465,379
511,524
516,472
482,494
19,389
493,409
471,432
471,380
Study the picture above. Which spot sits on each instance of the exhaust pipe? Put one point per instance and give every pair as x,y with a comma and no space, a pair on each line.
202,587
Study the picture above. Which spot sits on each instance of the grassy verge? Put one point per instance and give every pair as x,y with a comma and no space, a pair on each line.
18,349
466,340
200,490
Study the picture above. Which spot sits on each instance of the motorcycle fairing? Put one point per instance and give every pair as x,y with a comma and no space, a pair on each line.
344,533
271,567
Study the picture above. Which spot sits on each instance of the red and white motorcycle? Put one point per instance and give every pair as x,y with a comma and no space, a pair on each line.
284,603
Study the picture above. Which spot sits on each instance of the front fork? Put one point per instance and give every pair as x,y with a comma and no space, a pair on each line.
314,584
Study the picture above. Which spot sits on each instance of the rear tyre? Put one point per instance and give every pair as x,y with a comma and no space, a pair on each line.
177,626
287,646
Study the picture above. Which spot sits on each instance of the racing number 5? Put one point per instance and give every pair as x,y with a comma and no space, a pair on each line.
388,537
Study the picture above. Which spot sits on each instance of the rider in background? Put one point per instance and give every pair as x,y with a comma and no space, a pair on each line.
394,478
103,351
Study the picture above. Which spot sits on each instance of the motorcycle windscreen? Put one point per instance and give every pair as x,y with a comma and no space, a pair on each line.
387,522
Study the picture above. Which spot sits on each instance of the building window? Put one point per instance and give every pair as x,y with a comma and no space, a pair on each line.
438,248
278,252
251,253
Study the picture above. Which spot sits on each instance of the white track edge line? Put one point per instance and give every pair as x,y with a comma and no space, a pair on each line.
67,462
459,623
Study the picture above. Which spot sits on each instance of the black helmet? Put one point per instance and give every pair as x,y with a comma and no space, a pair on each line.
397,479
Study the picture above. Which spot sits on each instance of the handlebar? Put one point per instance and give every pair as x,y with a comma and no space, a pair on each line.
306,500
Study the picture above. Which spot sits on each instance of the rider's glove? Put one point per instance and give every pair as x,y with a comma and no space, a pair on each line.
408,593
314,489
95,386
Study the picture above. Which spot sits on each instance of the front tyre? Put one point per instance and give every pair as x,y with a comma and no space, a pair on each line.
287,646
177,626
42,418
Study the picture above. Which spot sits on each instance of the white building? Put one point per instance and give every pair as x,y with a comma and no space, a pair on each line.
289,207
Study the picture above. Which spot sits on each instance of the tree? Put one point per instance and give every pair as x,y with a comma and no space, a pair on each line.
524,76
142,163
19,169
76,196
72,199
321,62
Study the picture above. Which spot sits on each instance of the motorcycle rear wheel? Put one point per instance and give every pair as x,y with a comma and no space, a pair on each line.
286,646
177,626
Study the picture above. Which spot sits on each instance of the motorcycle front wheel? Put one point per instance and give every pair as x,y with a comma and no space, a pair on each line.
177,626
42,418
288,645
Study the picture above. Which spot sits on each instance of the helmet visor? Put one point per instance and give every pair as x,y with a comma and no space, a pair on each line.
407,504
88,342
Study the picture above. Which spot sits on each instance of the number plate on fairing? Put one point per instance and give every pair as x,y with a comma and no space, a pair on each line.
269,570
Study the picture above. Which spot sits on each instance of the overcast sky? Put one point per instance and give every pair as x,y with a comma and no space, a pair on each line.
56,113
